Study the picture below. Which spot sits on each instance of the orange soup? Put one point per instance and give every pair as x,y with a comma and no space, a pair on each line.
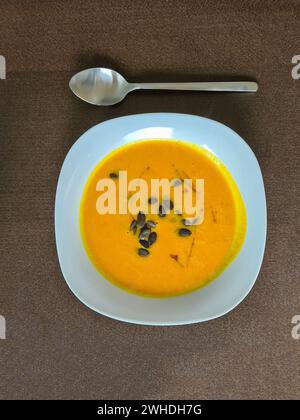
162,252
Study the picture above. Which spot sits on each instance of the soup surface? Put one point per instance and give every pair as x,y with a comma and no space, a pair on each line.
184,256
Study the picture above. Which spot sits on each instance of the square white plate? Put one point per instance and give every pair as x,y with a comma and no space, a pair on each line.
212,301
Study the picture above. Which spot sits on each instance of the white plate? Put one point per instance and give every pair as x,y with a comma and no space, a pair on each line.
212,301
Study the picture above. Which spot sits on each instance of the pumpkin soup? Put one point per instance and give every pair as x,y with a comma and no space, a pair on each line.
162,250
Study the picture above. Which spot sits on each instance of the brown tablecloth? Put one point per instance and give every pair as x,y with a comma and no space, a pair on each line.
55,346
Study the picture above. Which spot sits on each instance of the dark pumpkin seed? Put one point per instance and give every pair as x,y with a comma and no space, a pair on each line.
152,200
141,219
168,204
142,252
152,238
184,232
144,233
151,224
133,226
113,175
176,182
161,211
190,222
144,243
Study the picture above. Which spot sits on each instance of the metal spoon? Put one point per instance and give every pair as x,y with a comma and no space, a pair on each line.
100,86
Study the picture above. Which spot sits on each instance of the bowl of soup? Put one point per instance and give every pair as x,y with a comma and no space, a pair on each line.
160,219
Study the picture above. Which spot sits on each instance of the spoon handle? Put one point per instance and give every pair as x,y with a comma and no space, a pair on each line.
204,86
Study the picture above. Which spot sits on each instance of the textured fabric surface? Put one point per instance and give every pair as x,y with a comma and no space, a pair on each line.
55,346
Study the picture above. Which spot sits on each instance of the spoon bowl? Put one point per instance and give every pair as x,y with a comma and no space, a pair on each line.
99,86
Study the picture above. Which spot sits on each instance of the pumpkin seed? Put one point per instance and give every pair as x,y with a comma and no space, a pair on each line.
142,252
151,224
176,182
141,219
152,238
161,211
190,222
152,200
168,204
113,175
144,243
184,232
133,226
144,233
